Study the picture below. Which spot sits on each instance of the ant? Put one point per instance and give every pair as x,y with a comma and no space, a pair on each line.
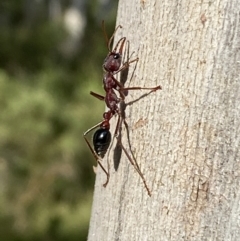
102,137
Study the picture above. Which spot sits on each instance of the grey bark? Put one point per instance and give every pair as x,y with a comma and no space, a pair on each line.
185,137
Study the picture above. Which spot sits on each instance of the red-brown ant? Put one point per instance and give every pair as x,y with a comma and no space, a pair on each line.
102,137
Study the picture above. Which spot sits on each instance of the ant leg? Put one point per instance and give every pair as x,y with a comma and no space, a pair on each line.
159,87
126,65
120,85
133,162
122,90
100,97
97,158
136,168
92,128
127,49
115,135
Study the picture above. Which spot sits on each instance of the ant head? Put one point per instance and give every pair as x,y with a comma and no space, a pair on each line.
113,60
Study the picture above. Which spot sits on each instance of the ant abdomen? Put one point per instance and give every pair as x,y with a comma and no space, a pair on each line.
101,141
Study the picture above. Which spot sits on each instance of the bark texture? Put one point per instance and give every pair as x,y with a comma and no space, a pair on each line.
186,137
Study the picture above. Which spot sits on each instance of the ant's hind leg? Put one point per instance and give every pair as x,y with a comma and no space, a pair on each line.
97,158
132,160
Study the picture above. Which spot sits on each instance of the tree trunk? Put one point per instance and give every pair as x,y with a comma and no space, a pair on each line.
186,136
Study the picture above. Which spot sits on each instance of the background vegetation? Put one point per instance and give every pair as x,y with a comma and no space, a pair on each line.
46,177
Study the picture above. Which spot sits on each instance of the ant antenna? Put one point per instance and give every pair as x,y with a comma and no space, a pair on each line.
109,41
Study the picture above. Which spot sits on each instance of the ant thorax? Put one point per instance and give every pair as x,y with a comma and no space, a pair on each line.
109,82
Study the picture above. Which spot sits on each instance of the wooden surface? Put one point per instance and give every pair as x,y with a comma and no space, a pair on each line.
186,137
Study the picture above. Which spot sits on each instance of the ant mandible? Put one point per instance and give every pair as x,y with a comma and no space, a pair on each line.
102,137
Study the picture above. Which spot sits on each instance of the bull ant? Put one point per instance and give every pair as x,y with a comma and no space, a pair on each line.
102,137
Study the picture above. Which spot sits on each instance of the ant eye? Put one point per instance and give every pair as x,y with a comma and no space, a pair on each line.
116,56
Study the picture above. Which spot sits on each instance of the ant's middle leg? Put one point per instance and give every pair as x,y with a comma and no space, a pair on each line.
159,87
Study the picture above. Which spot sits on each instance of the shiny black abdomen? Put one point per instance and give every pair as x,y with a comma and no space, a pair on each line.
101,141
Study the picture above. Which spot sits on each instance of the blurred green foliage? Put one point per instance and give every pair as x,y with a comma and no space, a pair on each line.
46,177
